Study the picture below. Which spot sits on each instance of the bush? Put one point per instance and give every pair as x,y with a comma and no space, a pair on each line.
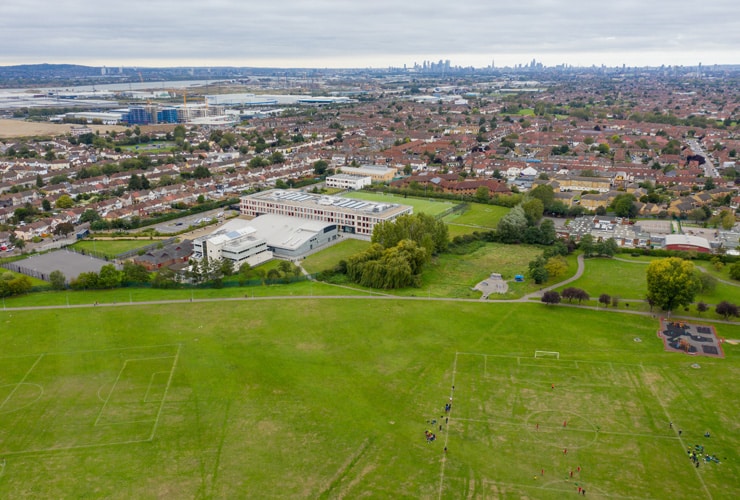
727,309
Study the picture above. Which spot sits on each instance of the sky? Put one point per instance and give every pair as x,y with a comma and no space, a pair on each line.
369,33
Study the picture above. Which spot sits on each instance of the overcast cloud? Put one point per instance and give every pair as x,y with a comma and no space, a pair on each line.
377,33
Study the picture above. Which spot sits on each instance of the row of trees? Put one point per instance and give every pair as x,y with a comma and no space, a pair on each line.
108,277
206,271
601,248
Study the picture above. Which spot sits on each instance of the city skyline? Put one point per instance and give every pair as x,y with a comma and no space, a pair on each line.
289,33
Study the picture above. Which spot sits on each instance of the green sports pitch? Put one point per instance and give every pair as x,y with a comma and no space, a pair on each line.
332,397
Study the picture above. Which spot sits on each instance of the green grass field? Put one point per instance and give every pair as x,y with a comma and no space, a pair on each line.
453,276
111,248
477,217
429,206
600,277
330,398
327,259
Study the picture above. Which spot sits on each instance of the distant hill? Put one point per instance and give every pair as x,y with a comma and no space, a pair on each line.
49,74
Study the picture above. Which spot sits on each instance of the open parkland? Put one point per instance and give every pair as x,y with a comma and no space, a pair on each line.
331,397
313,390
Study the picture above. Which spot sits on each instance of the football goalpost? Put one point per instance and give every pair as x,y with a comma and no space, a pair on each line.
547,354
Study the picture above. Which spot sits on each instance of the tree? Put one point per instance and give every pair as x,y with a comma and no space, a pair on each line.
701,307
201,172
136,183
545,194
606,247
482,194
64,201
422,228
615,301
85,281
11,284
551,297
538,270
697,214
671,283
735,271
64,228
277,157
227,267
285,267
587,245
135,273
164,278
512,225
261,274
89,215
571,293
109,277
46,205
245,272
727,309
320,167
624,205
533,210
605,299
258,162
58,280
395,267
556,266
707,283
547,232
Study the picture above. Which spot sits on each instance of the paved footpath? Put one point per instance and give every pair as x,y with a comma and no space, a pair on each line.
379,296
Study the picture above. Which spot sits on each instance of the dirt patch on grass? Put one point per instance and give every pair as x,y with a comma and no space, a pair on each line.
18,128
265,427
310,346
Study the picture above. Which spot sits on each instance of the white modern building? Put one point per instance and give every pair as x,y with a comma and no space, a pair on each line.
293,237
355,217
348,181
378,173
262,238
237,244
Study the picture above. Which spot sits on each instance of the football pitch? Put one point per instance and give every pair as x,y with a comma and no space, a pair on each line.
118,396
332,398
543,419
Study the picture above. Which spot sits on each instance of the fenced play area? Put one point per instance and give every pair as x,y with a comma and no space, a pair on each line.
688,338
71,264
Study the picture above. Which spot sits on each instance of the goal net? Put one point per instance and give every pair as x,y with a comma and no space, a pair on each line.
547,354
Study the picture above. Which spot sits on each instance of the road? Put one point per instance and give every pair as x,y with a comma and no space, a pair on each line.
710,170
